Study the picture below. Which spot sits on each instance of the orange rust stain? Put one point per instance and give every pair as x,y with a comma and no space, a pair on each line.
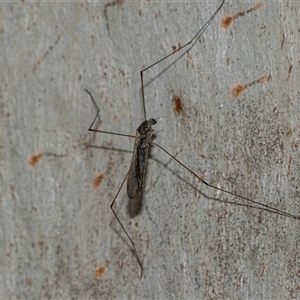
100,271
97,180
34,159
226,21
260,80
258,6
237,90
177,105
263,79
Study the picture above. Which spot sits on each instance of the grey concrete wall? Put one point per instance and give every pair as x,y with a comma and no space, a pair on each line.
57,232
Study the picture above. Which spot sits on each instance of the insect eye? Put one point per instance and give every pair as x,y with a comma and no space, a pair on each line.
152,121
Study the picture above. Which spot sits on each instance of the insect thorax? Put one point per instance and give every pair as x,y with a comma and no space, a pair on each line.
145,129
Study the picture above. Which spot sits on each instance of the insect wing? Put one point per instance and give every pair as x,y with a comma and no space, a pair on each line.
136,175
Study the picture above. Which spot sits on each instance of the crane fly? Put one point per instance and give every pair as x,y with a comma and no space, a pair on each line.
143,140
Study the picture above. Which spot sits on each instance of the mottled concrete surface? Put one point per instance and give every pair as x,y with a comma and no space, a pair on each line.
238,128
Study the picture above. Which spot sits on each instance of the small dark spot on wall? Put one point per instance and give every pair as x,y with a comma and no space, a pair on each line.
100,271
238,89
177,105
97,180
227,20
34,159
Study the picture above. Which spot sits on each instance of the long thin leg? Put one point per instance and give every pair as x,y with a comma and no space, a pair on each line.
131,241
192,41
115,198
97,116
263,206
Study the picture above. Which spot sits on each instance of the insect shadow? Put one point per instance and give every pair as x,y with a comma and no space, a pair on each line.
143,140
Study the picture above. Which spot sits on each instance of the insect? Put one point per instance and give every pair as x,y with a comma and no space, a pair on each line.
143,140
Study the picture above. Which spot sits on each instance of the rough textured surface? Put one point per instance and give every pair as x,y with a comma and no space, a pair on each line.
58,236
